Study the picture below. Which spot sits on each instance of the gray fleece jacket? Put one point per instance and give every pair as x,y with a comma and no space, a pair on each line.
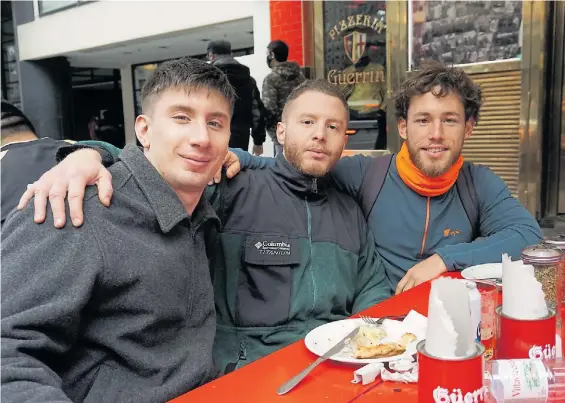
118,310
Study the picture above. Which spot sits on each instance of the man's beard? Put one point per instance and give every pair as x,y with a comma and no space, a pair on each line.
436,169
292,155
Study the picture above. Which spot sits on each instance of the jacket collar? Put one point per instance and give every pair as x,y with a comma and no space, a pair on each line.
224,59
167,206
302,185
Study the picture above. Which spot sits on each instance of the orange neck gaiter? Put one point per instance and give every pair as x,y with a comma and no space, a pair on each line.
419,182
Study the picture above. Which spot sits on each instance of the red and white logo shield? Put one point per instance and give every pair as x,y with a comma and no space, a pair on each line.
355,44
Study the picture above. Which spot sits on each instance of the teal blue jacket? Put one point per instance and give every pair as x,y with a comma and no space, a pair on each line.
409,228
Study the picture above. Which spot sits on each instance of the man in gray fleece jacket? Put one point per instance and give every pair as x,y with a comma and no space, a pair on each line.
122,308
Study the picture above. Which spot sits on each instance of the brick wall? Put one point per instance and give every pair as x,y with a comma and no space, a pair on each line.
286,25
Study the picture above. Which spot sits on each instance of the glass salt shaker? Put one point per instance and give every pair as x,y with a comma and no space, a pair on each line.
546,260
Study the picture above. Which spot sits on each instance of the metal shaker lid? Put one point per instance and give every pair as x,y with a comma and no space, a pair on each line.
556,240
541,254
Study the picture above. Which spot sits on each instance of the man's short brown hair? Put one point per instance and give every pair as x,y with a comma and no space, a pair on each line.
319,85
188,74
433,76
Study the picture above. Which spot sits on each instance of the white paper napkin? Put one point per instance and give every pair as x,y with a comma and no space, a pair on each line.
405,371
522,296
449,332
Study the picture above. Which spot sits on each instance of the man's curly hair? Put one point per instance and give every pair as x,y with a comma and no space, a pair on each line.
440,80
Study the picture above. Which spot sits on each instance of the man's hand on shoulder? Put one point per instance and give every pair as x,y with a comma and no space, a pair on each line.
421,272
80,169
232,165
257,150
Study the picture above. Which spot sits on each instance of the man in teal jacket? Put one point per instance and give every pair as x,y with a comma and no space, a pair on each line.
419,223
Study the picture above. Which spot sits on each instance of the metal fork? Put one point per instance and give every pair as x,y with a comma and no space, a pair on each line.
379,322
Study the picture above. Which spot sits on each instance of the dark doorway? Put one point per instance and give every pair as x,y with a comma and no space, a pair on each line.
98,109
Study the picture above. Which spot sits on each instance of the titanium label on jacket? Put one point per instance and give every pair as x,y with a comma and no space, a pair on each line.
269,249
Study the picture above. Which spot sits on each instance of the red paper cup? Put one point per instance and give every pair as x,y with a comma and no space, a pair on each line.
443,380
520,338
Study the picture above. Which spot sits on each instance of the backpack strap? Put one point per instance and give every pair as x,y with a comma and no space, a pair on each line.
373,181
466,190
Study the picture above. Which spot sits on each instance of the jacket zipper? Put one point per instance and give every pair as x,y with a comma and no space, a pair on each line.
315,185
426,227
310,266
242,351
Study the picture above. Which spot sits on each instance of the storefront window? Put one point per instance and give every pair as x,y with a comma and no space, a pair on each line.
464,32
355,60
50,6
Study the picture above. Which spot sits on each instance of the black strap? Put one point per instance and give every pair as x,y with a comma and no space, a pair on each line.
466,190
373,182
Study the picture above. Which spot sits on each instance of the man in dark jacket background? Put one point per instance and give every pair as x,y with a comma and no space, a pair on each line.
248,113
279,83
25,156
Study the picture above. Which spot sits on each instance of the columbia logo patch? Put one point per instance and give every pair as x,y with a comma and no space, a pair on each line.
273,247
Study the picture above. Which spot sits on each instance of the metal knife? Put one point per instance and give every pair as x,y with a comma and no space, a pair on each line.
288,386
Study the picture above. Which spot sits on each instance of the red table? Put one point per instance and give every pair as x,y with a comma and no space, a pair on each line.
330,382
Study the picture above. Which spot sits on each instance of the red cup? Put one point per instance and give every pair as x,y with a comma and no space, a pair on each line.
441,380
523,338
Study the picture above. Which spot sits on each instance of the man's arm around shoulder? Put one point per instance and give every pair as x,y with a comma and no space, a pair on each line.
348,174
507,227
108,152
47,278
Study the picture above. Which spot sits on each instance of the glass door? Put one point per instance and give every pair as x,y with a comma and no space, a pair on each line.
352,54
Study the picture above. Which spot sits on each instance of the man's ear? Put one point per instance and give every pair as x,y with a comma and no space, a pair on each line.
281,132
402,128
469,125
142,130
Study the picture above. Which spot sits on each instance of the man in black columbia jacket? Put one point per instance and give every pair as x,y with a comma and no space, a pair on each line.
248,113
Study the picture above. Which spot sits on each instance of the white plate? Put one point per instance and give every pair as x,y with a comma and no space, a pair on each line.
324,337
483,271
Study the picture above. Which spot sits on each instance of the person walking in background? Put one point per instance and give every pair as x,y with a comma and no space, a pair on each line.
249,112
279,83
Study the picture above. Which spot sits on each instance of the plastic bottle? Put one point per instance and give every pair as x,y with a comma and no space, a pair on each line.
526,380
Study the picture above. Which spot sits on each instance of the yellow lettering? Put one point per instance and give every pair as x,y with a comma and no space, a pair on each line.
331,77
351,78
365,76
381,26
342,25
341,79
332,34
358,77
358,18
367,20
380,76
375,23
350,21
